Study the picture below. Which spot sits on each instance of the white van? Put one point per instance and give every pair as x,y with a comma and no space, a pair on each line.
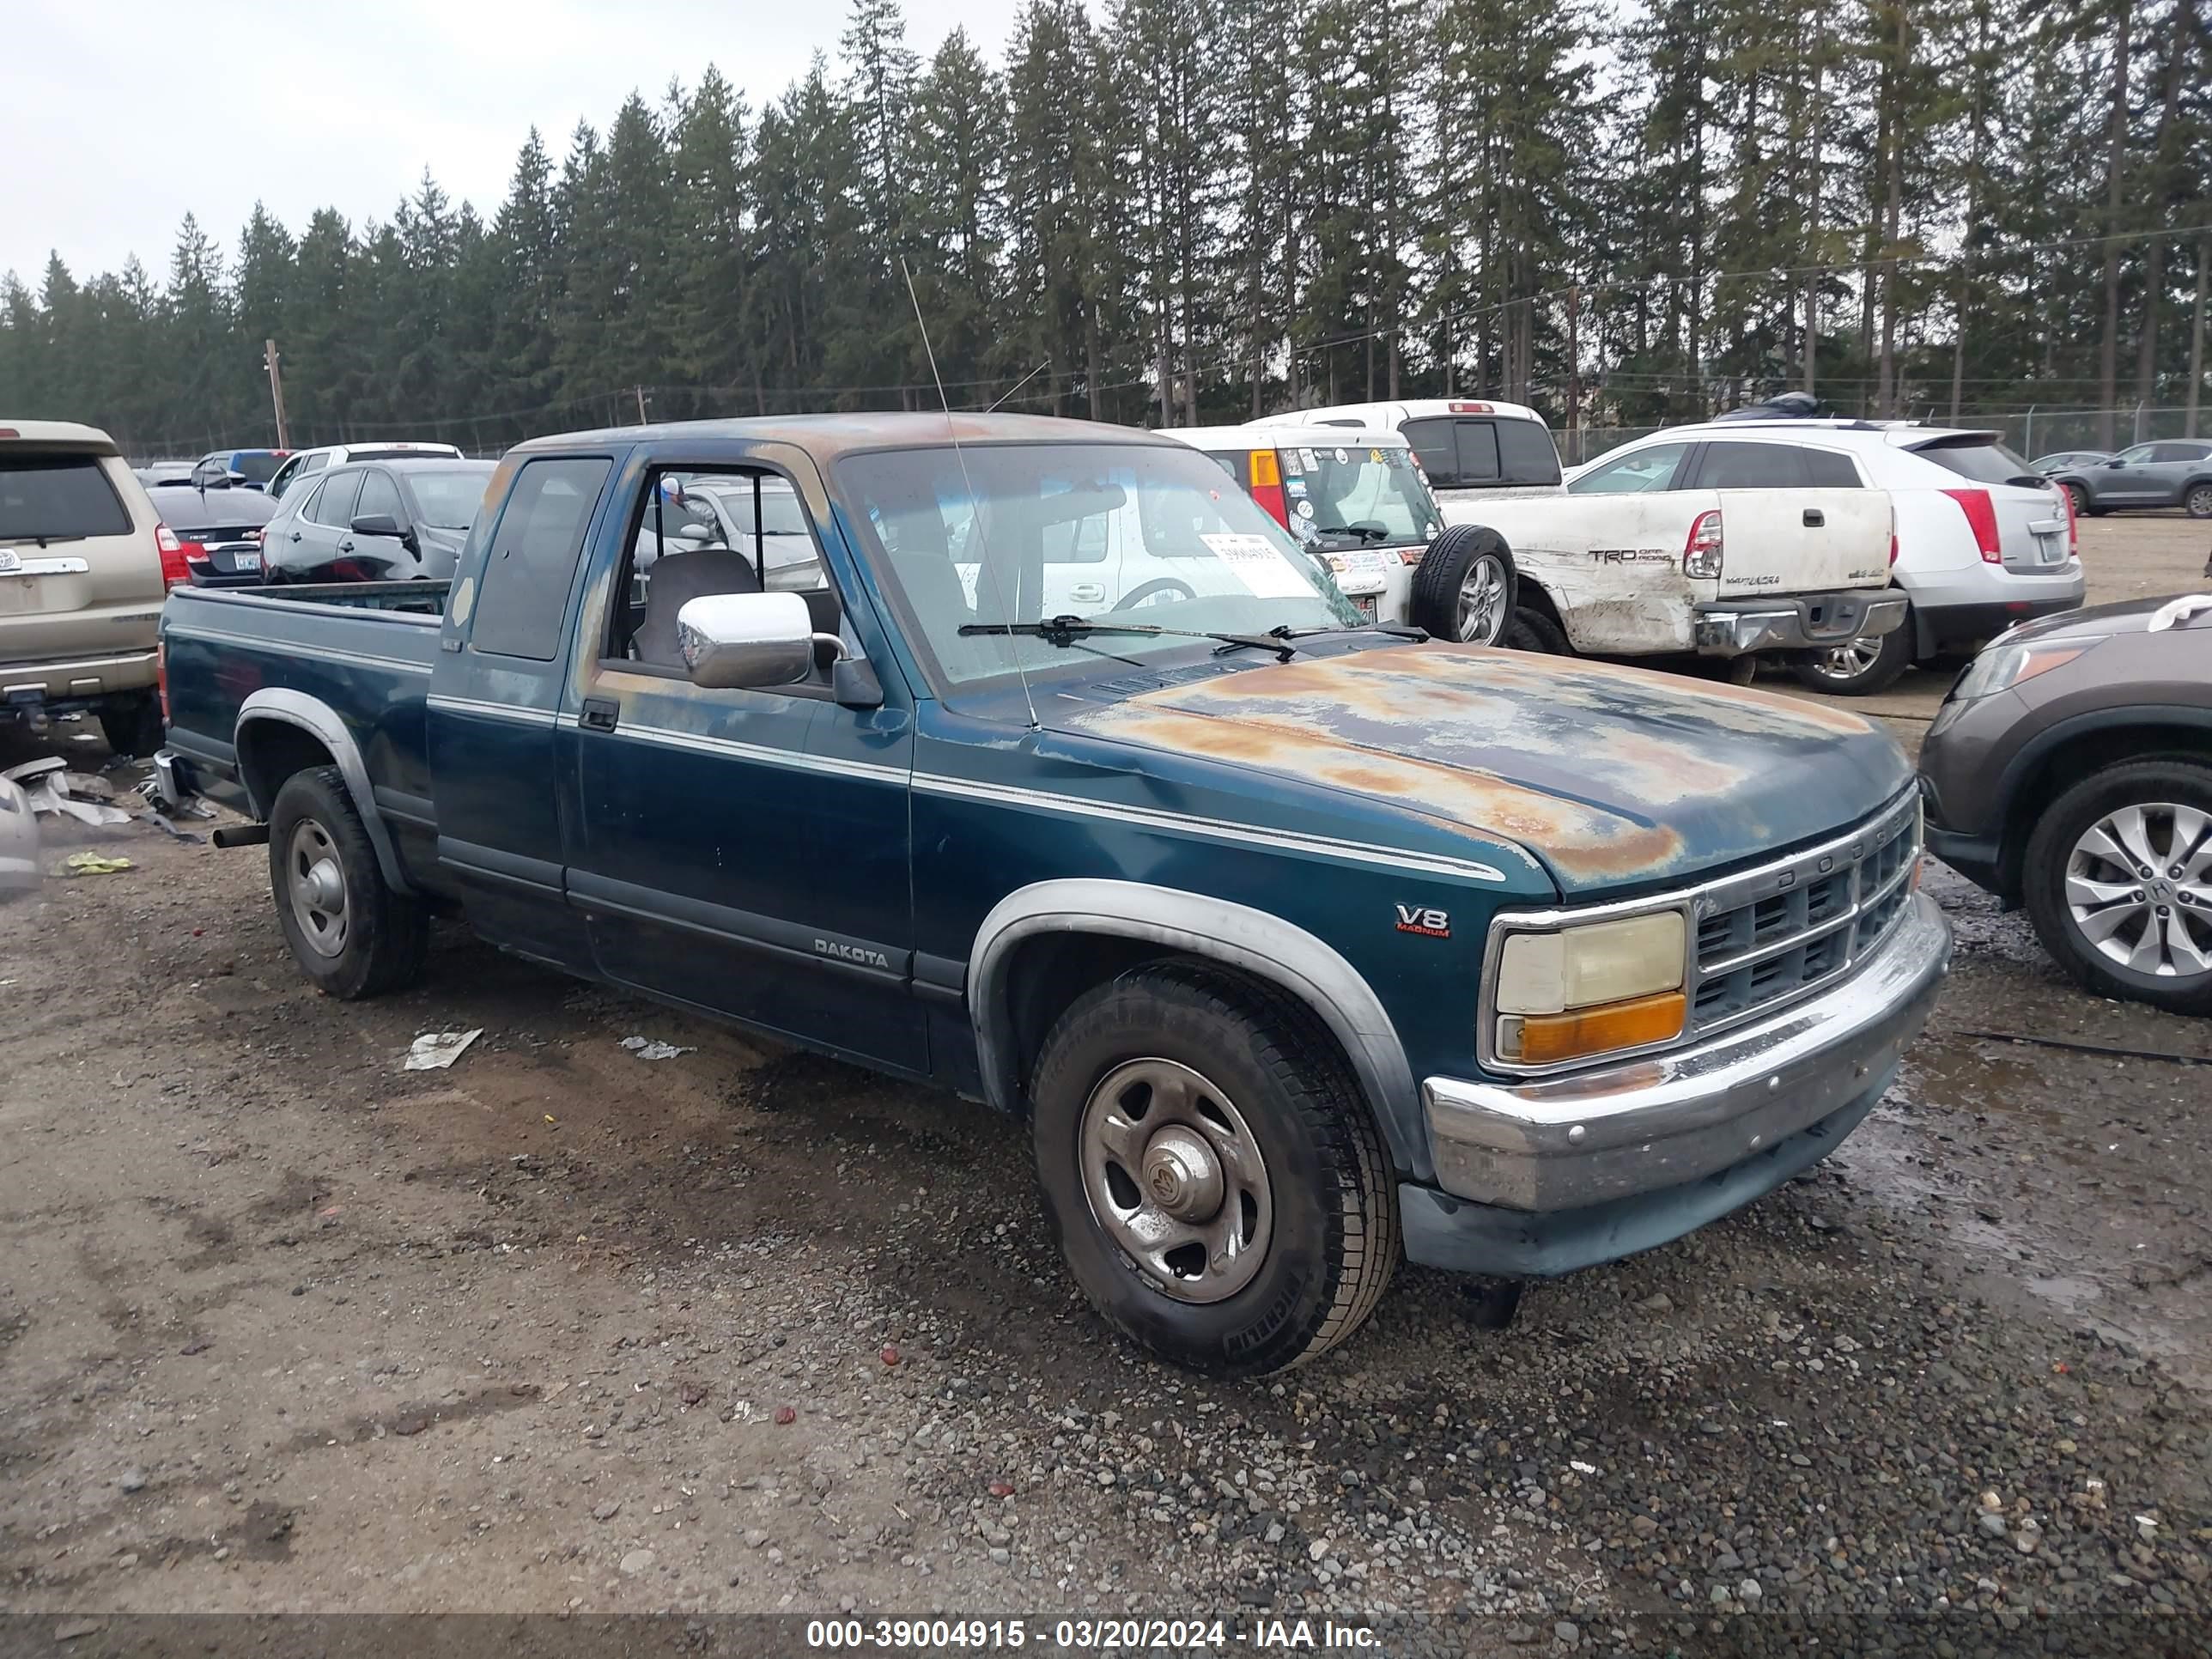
303,463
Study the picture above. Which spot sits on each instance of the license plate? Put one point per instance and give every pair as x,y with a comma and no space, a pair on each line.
243,562
1364,605
2050,550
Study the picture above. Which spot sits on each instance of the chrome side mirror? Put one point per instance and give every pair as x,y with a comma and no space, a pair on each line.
732,640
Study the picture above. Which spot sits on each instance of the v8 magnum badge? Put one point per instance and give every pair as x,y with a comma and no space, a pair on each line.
1429,924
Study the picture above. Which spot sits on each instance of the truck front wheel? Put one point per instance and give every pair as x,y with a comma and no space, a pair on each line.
349,931
1219,1187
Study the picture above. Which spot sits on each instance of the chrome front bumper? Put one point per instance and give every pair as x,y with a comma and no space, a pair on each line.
1808,621
1668,1119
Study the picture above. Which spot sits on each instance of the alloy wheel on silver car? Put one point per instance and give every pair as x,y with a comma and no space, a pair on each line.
1175,1178
2198,502
315,882
2139,889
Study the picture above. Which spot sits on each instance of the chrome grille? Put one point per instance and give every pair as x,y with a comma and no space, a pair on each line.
1769,937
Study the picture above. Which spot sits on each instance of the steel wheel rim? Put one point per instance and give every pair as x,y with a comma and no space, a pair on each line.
2138,886
1852,658
1175,1178
314,880
1482,602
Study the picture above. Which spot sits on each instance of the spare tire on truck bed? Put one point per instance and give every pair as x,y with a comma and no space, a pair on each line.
1465,586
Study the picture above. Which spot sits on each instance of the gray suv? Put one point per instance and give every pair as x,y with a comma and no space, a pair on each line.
2070,770
2171,472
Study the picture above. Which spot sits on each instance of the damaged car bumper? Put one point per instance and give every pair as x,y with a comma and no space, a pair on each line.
1807,622
1543,1177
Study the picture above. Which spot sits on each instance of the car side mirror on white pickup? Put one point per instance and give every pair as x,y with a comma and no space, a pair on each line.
748,640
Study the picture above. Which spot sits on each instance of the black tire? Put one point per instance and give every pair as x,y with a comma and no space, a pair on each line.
2197,499
2160,779
1332,1231
132,725
1465,558
381,938
1830,671
1532,630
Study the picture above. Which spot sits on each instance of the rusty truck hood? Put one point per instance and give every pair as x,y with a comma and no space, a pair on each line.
1614,778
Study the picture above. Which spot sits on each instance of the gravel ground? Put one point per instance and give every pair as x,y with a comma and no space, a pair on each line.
285,1328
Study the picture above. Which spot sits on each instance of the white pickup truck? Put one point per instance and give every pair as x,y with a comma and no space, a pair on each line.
1699,546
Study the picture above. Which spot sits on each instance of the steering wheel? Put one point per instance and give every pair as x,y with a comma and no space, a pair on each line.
1164,587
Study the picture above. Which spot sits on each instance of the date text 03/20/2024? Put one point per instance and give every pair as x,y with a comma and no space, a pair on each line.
1169,1635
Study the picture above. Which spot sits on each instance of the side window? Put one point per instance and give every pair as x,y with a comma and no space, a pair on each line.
379,494
1650,468
1477,444
531,560
1432,442
1733,466
2135,455
1525,453
702,533
334,507
1825,469
314,464
2182,453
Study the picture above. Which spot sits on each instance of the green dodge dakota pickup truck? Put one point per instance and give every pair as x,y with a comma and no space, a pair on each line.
1297,947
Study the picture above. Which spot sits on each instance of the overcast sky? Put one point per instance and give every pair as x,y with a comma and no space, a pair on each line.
118,117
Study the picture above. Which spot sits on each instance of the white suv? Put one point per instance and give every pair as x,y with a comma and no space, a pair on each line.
303,463
1983,542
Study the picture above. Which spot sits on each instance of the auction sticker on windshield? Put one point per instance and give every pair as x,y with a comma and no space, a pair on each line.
1259,565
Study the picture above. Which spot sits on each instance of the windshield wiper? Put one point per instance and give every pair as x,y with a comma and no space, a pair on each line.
1063,630
1366,532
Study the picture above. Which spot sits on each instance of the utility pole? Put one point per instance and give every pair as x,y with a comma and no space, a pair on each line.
1574,370
275,391
2197,333
641,404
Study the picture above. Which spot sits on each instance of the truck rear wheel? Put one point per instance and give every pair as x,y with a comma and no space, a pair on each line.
1465,586
1219,1187
348,931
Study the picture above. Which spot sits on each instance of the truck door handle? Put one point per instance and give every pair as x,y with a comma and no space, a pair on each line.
1814,517
599,714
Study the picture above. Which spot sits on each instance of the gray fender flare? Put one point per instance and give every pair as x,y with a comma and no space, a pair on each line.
1253,941
278,707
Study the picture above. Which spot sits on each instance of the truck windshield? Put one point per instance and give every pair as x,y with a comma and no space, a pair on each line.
1029,532
1358,496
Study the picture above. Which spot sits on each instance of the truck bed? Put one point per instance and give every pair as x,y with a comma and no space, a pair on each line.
361,649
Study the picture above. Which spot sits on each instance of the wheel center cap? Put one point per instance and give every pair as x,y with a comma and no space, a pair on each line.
325,886
1182,1176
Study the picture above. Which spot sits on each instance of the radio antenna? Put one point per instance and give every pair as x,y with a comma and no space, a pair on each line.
974,505
1018,385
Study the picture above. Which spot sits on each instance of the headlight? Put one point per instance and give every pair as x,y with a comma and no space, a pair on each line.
1575,992
2002,666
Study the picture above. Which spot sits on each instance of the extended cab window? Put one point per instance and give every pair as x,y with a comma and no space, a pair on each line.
531,560
1648,469
58,498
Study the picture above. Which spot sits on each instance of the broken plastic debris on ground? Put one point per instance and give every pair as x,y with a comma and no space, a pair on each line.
51,787
434,1051
95,864
653,1049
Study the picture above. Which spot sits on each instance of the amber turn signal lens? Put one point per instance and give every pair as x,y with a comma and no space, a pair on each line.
1547,1039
